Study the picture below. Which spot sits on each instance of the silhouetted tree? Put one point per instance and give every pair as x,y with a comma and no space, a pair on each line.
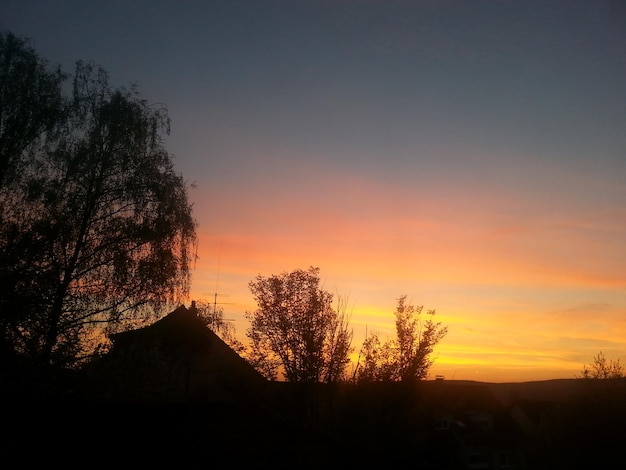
98,233
31,107
601,368
295,327
408,356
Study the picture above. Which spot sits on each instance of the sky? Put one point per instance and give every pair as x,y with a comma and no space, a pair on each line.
470,155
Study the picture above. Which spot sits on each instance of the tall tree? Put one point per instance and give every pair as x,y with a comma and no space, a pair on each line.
408,356
102,222
296,328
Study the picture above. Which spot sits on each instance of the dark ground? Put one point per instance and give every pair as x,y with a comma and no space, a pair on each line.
303,427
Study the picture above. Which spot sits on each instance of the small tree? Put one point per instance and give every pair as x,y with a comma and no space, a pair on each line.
408,356
601,368
296,329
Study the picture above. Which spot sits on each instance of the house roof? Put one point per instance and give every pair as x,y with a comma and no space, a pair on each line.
180,324
179,352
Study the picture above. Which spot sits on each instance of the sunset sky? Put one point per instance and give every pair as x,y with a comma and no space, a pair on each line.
468,154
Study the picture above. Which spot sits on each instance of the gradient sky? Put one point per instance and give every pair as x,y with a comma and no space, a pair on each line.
468,154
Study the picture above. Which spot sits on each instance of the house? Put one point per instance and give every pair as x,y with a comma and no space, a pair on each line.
174,388
176,359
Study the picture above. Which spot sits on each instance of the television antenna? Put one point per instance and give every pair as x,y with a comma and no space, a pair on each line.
215,302
215,294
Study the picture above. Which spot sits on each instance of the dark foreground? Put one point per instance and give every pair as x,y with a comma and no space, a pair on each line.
446,425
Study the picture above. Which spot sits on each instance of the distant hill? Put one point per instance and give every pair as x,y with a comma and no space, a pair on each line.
555,390
548,390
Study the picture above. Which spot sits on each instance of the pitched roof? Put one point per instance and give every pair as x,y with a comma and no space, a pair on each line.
179,355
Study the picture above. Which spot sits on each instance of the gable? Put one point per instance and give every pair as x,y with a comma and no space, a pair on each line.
178,357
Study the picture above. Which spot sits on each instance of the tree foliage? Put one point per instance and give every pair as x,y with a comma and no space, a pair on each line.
295,328
30,103
98,233
602,368
406,357
379,360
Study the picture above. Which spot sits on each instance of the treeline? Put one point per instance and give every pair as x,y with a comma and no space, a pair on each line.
296,331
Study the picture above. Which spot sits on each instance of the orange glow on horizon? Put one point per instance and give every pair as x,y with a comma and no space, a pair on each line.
498,269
